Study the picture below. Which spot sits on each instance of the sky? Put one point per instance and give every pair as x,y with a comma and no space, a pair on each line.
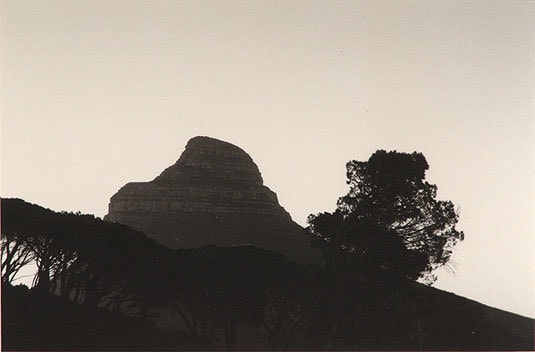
95,94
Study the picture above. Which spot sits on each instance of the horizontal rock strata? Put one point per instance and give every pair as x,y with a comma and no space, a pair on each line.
213,195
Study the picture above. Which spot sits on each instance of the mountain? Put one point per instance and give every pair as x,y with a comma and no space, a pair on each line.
213,195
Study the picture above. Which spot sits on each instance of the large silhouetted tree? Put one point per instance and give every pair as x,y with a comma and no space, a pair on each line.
390,222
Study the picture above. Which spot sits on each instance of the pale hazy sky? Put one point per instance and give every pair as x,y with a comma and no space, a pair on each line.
95,94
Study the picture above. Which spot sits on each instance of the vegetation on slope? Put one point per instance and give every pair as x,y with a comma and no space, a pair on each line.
98,282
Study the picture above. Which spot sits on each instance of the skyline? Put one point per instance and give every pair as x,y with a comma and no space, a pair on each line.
95,94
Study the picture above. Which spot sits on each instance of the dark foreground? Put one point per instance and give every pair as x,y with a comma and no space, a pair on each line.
32,321
104,286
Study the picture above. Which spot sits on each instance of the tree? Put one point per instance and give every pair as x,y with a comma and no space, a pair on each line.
15,255
390,221
37,235
81,257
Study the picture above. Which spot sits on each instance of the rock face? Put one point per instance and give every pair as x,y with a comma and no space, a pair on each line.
213,195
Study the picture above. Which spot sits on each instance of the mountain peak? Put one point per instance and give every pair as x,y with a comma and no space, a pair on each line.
209,159
213,195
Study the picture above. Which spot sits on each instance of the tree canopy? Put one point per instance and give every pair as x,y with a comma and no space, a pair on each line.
390,221
108,265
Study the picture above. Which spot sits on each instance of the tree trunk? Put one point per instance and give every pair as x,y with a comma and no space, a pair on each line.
43,279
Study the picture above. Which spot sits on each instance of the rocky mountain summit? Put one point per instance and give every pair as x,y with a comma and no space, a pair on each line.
213,195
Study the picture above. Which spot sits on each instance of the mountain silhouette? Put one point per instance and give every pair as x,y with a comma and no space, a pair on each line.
213,195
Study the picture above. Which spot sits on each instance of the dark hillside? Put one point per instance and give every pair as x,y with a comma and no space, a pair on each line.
32,322
100,283
451,322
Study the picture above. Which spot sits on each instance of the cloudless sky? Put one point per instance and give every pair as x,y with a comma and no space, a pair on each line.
95,94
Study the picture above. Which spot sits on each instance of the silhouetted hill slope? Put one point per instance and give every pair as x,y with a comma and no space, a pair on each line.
34,322
451,322
232,297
